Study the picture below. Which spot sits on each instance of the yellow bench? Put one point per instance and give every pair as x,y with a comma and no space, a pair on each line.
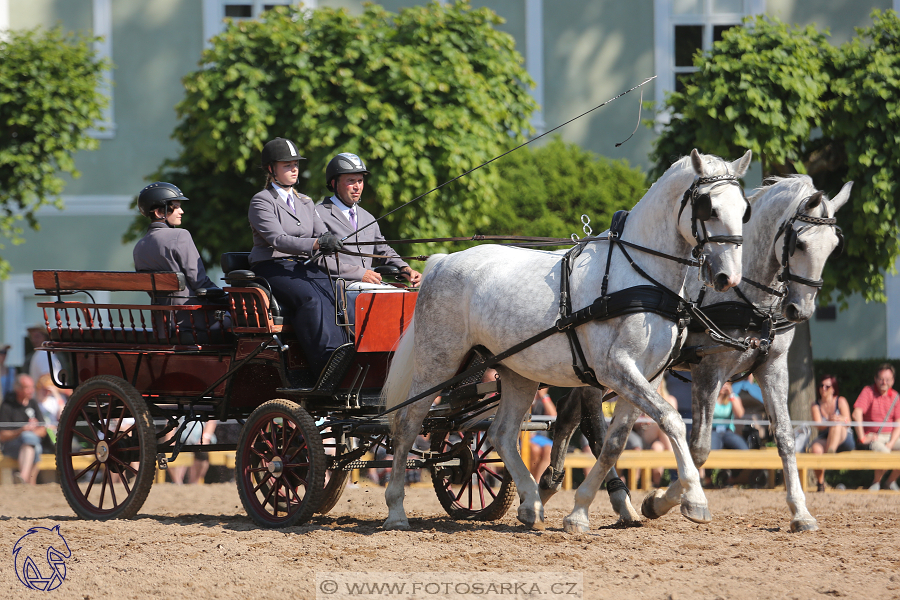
48,463
766,459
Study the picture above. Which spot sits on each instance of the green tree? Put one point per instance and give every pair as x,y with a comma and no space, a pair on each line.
48,102
544,192
422,96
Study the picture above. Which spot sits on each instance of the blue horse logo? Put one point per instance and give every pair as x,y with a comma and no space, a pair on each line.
40,558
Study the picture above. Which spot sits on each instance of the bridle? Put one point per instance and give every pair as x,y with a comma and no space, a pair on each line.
701,211
791,236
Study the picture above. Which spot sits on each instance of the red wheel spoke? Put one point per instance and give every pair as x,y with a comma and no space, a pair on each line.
103,487
261,483
296,451
298,477
484,484
86,469
93,478
112,486
82,453
286,442
90,425
124,465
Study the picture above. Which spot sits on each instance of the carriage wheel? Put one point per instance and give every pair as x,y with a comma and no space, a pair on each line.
106,449
280,465
476,489
337,480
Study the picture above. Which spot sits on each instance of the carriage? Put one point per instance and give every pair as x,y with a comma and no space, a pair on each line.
142,374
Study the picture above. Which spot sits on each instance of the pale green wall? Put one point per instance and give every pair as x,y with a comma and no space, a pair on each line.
73,15
858,332
838,16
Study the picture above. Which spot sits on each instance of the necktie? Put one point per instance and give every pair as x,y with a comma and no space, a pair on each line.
290,203
353,217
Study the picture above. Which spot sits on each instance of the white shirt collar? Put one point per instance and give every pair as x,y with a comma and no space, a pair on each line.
283,193
345,210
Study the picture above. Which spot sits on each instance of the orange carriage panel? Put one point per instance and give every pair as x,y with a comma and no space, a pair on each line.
159,374
381,318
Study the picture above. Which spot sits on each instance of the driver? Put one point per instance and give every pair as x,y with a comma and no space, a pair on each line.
345,176
166,247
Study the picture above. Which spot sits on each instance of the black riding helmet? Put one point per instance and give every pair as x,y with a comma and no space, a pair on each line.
158,195
278,150
341,164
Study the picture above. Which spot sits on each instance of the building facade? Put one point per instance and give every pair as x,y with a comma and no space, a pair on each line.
579,52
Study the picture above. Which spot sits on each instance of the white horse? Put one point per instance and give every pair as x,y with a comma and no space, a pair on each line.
496,297
787,242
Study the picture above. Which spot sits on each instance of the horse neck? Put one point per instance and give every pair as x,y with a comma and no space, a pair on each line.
653,223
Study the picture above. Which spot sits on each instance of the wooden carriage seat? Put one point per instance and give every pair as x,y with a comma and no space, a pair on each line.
238,274
113,323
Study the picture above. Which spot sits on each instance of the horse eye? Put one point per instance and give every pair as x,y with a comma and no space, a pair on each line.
801,246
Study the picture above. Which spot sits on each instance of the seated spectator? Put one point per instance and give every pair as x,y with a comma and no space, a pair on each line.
728,407
194,435
878,404
23,428
831,406
40,361
541,444
51,399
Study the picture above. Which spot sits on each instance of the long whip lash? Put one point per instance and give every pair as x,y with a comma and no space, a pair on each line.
649,79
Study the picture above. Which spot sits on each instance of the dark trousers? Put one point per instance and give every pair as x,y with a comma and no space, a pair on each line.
307,302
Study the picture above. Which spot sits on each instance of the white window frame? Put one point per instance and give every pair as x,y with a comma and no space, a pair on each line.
15,326
214,13
534,58
664,22
4,18
105,128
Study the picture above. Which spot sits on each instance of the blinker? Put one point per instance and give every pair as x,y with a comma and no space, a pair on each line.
703,207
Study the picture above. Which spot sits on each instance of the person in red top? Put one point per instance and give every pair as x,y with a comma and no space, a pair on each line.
879,403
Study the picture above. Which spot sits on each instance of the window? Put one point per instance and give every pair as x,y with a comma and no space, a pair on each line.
681,28
216,11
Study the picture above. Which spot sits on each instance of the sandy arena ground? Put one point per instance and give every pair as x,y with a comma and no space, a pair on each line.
196,542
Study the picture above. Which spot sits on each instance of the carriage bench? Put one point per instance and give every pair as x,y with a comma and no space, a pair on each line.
764,458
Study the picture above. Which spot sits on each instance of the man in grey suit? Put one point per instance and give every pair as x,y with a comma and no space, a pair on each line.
345,176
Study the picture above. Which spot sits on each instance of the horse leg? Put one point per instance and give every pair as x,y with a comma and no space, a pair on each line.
704,390
773,380
568,415
516,398
614,442
619,496
406,425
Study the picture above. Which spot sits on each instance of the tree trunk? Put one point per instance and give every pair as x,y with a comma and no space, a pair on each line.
802,390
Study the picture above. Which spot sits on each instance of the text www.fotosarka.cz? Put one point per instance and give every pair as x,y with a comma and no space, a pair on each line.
456,586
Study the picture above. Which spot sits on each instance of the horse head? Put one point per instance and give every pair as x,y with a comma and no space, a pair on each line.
40,557
803,244
711,217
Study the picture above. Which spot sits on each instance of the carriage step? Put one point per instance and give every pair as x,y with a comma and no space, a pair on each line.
332,374
387,464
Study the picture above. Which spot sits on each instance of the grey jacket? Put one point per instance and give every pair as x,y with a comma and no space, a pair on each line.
279,233
166,248
354,267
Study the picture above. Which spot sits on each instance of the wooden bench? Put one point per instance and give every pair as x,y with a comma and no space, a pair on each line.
48,463
56,281
767,459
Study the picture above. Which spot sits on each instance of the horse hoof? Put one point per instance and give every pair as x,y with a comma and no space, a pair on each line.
530,518
698,513
573,526
398,525
808,524
647,508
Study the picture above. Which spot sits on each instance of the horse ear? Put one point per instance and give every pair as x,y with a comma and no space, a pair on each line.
697,162
841,199
740,166
814,200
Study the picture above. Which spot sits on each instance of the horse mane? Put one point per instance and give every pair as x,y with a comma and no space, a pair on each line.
798,187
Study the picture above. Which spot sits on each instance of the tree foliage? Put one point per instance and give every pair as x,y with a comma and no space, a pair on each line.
48,102
544,192
804,106
421,96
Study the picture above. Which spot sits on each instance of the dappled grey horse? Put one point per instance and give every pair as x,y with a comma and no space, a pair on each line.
791,235
496,297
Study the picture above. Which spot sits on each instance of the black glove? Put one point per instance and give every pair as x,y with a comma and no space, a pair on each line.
329,243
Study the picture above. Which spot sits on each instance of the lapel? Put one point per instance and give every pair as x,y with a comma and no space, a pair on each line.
282,205
338,219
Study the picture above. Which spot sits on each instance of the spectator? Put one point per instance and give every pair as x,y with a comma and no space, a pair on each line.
831,406
50,398
39,365
194,435
728,407
7,374
541,444
877,403
23,428
682,392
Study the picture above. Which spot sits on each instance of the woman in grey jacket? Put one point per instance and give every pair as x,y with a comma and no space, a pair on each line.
286,233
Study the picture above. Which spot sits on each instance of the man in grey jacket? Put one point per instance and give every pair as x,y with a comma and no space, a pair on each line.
345,176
